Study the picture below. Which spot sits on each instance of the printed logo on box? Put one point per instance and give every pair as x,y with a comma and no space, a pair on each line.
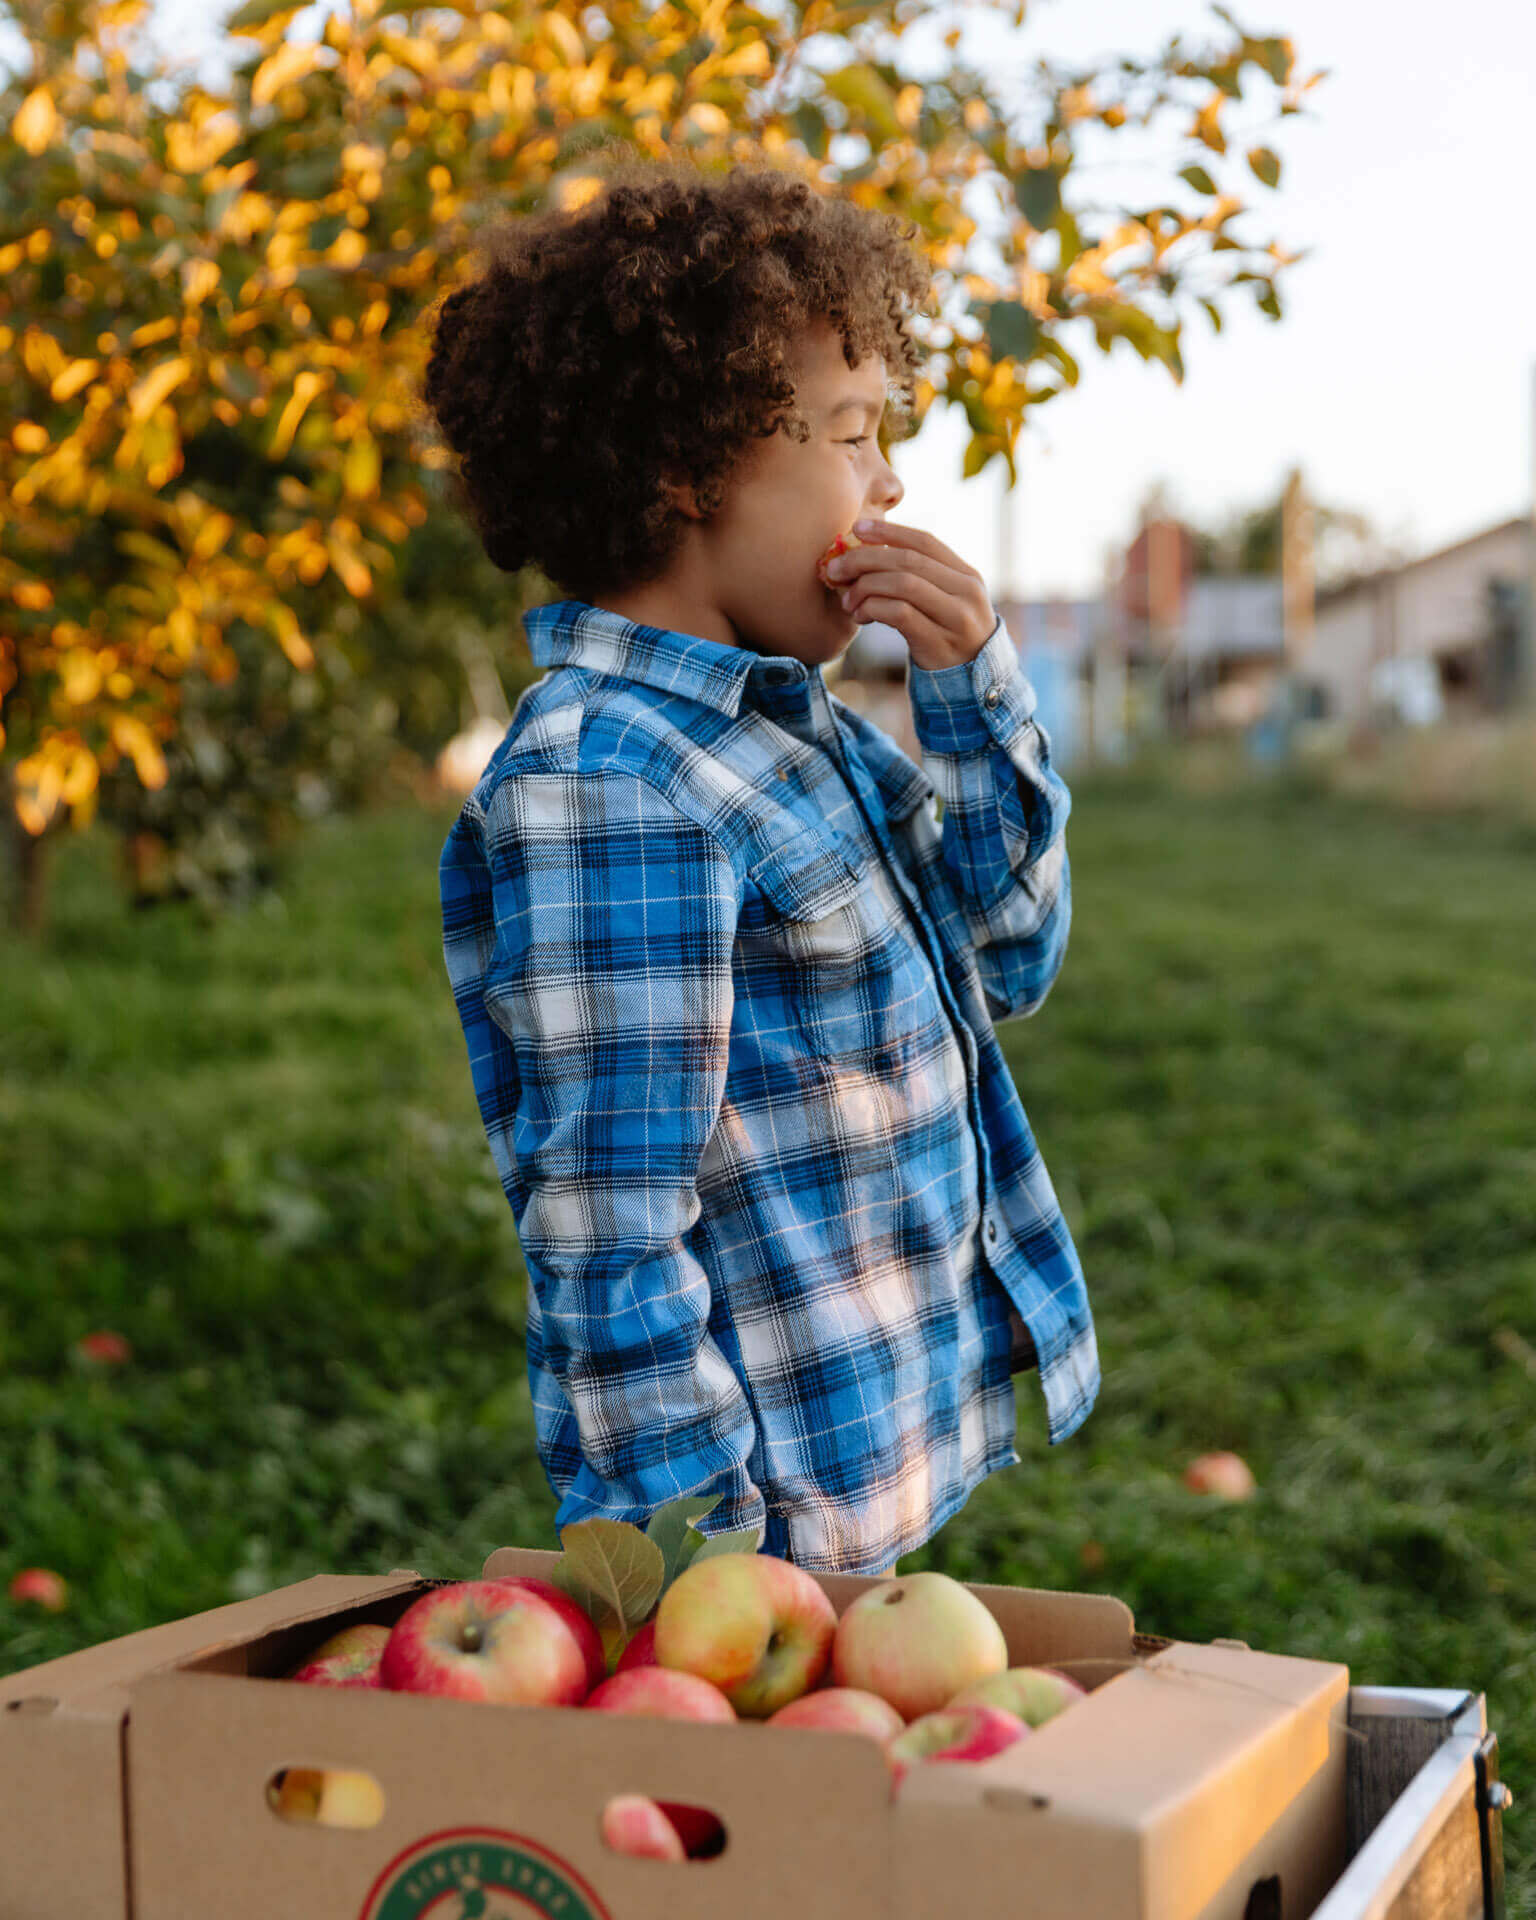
480,1873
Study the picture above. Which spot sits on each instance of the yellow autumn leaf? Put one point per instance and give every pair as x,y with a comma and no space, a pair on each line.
80,676
564,38
131,736
284,624
290,62
77,374
360,469
159,382
35,121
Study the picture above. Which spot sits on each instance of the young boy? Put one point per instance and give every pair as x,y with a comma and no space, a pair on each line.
728,985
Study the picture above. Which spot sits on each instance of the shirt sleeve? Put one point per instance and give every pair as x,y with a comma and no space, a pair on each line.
615,922
1005,817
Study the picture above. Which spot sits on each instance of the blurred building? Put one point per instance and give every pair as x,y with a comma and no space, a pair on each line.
1448,622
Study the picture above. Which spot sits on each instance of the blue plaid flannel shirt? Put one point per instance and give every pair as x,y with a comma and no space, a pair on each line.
728,981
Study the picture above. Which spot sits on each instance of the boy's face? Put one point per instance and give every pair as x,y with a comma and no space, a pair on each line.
747,577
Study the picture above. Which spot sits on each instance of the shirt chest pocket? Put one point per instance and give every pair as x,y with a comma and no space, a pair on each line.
831,946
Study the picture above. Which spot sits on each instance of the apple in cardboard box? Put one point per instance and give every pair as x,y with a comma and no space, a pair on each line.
348,1659
663,1694
954,1733
635,1824
917,1641
841,1710
502,1641
330,1796
639,1649
757,1627
1035,1694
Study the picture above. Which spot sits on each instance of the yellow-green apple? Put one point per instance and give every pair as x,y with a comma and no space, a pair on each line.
330,1796
757,1627
348,1659
660,1693
841,1710
634,1824
1035,1694
1227,1475
639,1649
42,1587
489,1640
575,1617
953,1733
916,1641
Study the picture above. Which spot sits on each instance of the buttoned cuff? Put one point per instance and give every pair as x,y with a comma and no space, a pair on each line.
976,705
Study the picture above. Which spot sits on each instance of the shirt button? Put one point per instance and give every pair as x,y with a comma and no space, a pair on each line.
992,1230
992,696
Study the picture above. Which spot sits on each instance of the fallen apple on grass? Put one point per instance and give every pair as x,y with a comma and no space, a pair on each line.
40,1587
917,1641
954,1733
348,1659
1227,1475
757,1627
1035,1694
494,1640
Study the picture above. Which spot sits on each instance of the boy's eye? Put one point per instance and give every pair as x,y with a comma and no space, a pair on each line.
855,443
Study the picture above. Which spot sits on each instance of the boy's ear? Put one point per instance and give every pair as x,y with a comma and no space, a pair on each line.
683,497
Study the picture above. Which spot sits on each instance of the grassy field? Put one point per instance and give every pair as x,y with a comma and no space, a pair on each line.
1285,1085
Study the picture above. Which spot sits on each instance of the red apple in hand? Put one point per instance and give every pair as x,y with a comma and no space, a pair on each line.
755,1626
916,1641
1035,1694
490,1640
348,1659
955,1733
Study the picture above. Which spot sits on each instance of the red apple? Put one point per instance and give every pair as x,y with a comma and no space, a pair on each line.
348,1659
1224,1474
637,1825
488,1640
662,1694
42,1587
110,1349
639,1649
755,1626
1035,1694
916,1641
841,1710
575,1617
958,1733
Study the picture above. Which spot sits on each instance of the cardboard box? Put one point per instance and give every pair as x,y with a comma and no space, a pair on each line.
133,1781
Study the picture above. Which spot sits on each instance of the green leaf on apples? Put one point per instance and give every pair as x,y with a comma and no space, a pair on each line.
748,1541
612,1570
673,1532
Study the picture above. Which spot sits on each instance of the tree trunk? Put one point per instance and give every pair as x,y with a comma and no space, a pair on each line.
29,867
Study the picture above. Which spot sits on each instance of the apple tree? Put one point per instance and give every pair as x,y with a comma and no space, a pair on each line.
212,296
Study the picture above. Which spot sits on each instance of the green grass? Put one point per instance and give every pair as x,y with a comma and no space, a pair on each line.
1285,1087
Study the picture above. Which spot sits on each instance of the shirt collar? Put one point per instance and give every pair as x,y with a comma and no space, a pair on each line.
573,633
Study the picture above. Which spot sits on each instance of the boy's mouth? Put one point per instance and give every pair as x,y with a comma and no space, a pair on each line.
842,544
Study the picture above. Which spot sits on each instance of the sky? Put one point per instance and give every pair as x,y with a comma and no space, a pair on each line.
1402,378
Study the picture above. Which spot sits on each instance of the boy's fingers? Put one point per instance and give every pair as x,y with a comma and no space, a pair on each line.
913,540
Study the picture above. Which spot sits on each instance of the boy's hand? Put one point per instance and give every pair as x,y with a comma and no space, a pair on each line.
914,583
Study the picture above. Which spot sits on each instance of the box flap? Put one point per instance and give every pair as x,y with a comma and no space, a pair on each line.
93,1680
1149,1737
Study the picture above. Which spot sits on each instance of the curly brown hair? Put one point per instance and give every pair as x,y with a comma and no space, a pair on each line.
611,351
